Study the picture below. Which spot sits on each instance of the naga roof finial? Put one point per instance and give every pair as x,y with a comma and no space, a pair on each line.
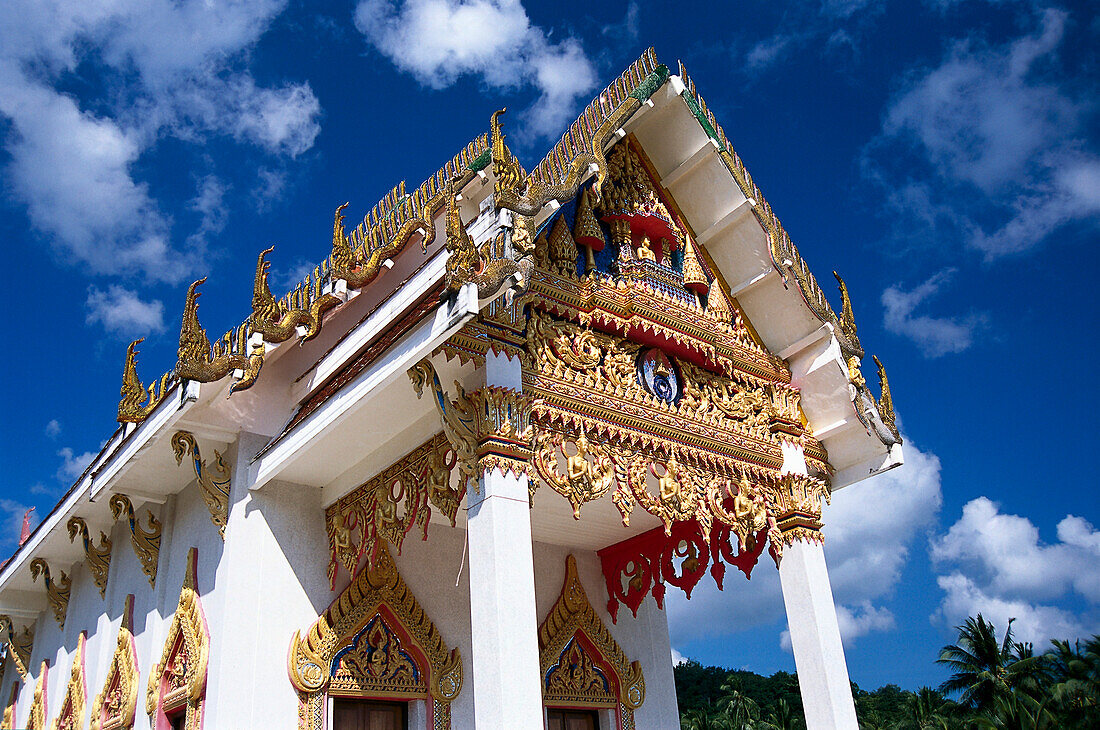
847,316
194,344
133,392
886,401
463,259
343,258
509,174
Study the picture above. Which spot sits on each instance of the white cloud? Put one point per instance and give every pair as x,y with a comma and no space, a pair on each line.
53,428
869,530
209,203
124,313
170,68
72,465
438,41
1007,556
935,336
998,137
677,657
768,51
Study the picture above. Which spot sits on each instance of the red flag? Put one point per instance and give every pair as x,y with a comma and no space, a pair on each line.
26,531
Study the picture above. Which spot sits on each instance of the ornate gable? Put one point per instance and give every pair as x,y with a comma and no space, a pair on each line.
115,707
71,716
36,718
374,641
177,683
580,661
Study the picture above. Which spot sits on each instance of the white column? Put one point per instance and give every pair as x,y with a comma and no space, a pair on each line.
815,634
505,661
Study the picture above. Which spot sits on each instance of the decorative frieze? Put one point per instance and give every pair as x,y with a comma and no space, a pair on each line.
643,565
389,505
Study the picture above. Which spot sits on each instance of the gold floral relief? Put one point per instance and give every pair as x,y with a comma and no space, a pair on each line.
389,505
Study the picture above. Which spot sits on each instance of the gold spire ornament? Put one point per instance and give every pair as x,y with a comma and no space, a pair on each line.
131,408
57,592
509,173
695,279
99,558
146,542
718,304
587,231
198,361
563,250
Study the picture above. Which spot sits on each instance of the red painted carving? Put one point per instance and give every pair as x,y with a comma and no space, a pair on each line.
643,564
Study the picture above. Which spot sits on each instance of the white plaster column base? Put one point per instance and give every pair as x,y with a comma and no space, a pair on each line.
815,638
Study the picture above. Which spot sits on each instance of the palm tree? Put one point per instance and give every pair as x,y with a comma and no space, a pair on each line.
925,710
705,719
1017,711
1073,680
742,710
782,716
985,668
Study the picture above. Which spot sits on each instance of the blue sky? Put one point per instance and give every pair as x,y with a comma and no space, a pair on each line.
943,156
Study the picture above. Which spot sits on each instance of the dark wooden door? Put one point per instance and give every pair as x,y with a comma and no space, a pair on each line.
573,720
368,715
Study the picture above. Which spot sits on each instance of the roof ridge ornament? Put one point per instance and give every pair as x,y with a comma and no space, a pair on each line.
886,402
198,361
133,392
303,309
847,316
511,178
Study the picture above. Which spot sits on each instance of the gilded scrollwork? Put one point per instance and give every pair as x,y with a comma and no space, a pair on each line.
459,418
489,268
581,663
213,483
71,716
137,402
98,558
197,360
279,320
146,541
19,645
178,679
372,514
589,472
115,707
57,591
378,591
680,490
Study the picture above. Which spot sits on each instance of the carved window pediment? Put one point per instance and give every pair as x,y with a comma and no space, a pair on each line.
115,707
71,716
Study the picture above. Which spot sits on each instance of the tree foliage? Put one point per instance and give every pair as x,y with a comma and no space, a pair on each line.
999,684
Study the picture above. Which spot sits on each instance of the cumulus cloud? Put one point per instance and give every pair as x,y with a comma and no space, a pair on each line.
997,564
438,41
988,147
123,312
72,465
870,528
677,657
935,336
53,428
172,68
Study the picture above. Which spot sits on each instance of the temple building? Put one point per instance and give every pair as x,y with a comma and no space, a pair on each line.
449,479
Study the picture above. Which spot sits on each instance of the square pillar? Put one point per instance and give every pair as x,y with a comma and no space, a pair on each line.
808,597
505,663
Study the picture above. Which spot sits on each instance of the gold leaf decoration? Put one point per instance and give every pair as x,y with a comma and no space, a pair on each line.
146,542
178,680
115,707
57,592
213,483
98,558
71,716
